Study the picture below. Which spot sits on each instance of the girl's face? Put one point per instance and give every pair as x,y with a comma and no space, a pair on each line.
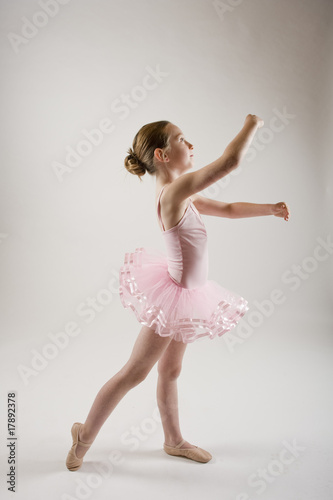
180,153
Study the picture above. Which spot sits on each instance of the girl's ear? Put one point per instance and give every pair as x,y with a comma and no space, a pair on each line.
159,154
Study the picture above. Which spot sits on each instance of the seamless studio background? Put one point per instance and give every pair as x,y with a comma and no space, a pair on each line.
79,78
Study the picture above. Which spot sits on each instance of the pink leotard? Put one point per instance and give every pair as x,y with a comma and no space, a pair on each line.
186,248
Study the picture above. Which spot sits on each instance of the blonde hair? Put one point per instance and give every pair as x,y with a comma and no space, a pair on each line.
140,158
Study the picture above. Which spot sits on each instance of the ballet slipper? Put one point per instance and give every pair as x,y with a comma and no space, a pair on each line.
197,454
73,463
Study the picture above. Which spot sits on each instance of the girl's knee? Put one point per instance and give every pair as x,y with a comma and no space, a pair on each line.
133,376
170,372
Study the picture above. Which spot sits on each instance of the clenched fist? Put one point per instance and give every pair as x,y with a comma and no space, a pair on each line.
281,209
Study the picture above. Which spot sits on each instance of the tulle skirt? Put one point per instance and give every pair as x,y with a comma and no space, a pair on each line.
157,301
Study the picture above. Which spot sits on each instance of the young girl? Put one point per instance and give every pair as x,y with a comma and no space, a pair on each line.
170,295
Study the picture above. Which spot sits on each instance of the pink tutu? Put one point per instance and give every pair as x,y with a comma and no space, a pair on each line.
182,313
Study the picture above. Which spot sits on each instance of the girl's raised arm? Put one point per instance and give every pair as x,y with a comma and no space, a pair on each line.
193,182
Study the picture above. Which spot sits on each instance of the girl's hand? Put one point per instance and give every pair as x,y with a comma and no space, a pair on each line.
255,119
281,210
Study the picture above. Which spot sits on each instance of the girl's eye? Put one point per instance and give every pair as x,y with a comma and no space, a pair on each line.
182,138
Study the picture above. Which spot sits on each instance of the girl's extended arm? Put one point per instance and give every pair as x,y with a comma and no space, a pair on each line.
242,209
190,183
238,147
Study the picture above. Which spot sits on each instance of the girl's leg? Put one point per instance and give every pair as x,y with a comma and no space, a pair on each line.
169,367
148,348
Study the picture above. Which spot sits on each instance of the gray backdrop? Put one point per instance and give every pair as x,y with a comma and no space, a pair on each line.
79,78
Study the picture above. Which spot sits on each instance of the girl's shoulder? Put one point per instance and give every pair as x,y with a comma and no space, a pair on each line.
162,196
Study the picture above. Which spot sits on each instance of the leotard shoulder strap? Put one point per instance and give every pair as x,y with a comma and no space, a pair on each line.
159,208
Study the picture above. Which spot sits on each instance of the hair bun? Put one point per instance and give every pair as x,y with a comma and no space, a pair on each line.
132,155
133,164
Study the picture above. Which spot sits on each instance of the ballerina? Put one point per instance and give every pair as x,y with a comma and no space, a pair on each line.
170,294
